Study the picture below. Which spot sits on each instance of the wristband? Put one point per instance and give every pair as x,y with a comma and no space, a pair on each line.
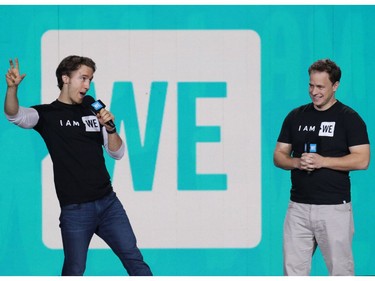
112,131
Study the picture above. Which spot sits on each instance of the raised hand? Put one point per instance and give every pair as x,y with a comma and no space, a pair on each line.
13,76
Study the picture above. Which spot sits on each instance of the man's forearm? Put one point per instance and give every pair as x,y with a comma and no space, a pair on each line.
11,104
349,162
285,162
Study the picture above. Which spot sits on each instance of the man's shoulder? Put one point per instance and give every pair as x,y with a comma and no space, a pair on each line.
301,109
45,107
345,109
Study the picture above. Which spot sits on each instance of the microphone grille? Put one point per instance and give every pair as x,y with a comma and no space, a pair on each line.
87,101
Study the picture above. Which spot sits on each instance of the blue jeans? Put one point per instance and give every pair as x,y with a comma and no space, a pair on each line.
107,218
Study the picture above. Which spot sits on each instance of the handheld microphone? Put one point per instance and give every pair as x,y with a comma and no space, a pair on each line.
95,106
310,148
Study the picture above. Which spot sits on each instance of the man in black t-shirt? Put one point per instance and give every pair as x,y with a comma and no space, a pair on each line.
320,143
75,138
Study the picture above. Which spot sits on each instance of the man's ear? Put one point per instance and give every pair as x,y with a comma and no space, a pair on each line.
65,79
336,86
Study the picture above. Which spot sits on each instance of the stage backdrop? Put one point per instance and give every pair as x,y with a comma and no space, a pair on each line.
199,94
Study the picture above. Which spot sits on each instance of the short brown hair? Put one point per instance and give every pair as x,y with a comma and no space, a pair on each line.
70,64
326,65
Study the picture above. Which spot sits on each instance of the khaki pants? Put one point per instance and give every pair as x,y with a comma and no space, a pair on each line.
328,226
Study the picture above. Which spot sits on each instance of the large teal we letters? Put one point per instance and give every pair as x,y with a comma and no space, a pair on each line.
142,156
189,134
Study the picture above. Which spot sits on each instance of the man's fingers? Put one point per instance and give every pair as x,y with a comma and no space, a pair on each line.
11,63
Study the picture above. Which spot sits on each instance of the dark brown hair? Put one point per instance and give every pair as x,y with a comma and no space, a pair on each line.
70,64
326,65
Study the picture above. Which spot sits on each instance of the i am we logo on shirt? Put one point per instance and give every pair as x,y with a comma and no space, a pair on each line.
187,104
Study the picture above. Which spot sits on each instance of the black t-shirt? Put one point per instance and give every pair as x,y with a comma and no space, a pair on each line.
74,140
332,131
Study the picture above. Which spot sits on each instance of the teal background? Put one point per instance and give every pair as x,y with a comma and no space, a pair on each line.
292,37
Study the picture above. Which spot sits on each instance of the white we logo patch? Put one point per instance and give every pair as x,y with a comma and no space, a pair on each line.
91,123
327,129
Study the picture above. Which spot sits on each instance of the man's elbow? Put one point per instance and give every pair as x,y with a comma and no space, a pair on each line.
276,162
279,164
365,165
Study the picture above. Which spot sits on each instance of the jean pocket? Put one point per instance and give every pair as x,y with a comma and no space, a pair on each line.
346,207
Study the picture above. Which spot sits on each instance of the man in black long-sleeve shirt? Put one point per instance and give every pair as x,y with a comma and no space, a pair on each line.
75,138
